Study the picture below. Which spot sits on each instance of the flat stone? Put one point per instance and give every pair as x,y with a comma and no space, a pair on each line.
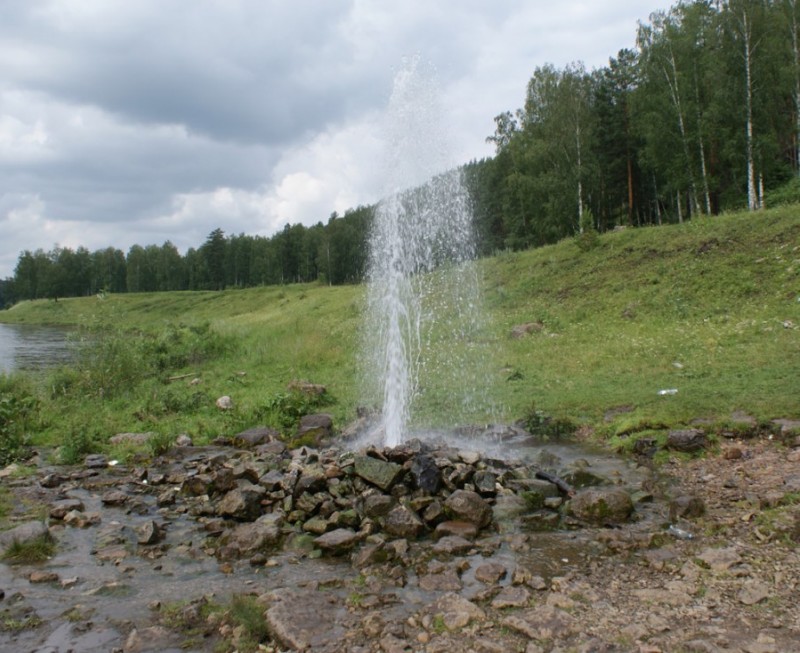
720,559
136,439
380,473
686,440
452,545
23,534
338,541
446,581
545,622
304,621
114,498
455,611
95,461
460,528
60,508
43,576
754,592
511,597
490,572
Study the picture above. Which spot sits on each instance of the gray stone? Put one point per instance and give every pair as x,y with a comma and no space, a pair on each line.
720,559
602,505
452,545
469,506
485,482
256,436
95,461
23,534
224,403
401,521
754,592
455,611
426,473
686,507
60,508
465,529
114,498
149,533
338,541
511,597
377,505
312,479
136,439
254,537
304,621
380,473
686,440
242,503
490,572
317,427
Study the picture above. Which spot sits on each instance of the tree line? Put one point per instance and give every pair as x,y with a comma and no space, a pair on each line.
701,116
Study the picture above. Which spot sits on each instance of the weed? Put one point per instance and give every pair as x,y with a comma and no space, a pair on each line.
31,552
77,443
16,413
12,625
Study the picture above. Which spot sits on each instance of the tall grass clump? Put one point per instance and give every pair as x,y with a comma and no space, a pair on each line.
18,412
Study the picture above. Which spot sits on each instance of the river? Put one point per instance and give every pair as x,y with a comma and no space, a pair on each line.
31,347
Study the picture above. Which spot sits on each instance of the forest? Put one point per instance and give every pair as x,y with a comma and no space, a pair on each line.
701,115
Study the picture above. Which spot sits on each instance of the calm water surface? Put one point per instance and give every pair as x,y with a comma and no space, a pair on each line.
31,347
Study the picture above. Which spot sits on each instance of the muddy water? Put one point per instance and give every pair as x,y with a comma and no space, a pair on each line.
108,585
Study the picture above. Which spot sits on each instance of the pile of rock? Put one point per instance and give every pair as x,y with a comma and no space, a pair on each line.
252,500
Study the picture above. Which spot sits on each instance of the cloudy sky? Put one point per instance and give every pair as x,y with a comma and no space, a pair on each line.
139,121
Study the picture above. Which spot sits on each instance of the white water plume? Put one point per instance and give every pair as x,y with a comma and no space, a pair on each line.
423,298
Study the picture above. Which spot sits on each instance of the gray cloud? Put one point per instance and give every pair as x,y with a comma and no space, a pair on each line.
133,122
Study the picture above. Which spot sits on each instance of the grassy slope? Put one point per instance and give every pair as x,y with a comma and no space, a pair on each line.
699,307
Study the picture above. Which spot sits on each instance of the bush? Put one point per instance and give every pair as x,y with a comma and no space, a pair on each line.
789,193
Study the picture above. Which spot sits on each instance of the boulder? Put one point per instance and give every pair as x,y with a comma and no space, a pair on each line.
338,541
469,506
255,436
317,427
602,505
253,537
224,403
686,440
401,521
426,474
379,472
243,502
23,534
60,508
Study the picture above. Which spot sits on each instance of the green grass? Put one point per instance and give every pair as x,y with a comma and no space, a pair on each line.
30,552
710,307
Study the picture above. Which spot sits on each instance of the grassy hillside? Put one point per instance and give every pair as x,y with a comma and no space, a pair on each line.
710,308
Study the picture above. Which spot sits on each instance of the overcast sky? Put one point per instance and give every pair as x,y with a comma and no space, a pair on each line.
139,121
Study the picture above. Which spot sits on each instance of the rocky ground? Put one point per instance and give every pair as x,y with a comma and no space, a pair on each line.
247,546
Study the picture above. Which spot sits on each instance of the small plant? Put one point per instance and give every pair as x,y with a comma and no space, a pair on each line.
77,443
539,423
245,611
31,552
284,410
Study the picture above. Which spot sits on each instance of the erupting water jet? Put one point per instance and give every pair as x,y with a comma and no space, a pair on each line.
423,295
